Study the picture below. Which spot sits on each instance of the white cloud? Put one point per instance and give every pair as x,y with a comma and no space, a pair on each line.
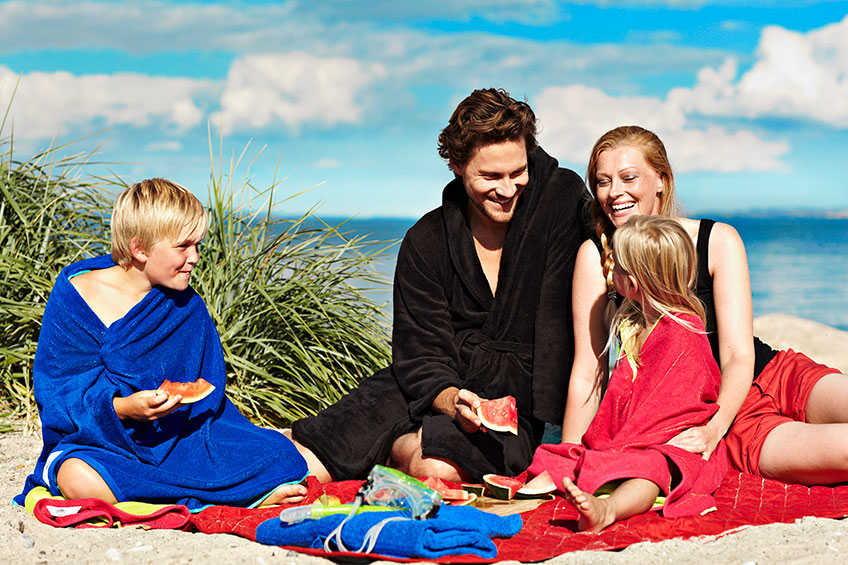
149,26
693,4
327,163
795,75
262,90
374,33
573,117
164,146
138,26
49,104
499,11
715,149
734,25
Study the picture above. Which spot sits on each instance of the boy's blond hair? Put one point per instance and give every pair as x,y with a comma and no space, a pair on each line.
150,211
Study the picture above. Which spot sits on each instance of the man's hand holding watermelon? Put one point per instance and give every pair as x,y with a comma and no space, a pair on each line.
461,405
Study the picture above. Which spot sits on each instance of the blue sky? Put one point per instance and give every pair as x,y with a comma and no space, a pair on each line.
349,97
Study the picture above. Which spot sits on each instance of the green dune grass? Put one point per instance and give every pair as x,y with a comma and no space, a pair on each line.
289,296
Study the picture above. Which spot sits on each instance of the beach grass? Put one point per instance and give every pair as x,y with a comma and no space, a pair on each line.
290,300
290,297
50,215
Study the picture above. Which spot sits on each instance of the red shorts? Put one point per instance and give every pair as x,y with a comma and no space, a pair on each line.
779,395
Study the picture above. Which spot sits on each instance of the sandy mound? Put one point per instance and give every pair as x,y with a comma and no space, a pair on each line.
820,342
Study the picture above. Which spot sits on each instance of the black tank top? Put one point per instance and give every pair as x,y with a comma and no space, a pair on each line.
704,289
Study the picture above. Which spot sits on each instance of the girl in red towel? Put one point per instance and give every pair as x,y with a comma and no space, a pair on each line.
665,381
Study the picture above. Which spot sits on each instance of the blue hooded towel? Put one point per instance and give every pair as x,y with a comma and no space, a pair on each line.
203,453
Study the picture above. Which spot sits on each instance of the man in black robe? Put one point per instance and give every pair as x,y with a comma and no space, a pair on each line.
482,309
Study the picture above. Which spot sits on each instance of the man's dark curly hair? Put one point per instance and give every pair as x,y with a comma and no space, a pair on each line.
486,116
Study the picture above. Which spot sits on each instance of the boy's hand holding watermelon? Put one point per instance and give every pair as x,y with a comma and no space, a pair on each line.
145,405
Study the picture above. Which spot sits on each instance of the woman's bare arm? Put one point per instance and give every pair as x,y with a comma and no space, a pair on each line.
590,368
734,319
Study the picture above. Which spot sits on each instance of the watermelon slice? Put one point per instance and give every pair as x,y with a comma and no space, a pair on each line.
499,415
538,486
470,501
503,488
191,392
446,492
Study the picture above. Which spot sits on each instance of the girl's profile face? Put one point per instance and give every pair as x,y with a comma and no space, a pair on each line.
620,280
626,185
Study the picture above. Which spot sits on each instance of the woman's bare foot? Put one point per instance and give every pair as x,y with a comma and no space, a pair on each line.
595,513
286,494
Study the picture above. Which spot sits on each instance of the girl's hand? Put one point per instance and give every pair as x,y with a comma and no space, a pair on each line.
702,439
145,405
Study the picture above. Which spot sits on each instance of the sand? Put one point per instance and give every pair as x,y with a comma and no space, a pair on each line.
808,541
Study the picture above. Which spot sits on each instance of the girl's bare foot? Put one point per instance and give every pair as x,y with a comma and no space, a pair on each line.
595,513
286,494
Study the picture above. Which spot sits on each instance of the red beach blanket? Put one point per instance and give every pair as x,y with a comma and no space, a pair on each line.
550,530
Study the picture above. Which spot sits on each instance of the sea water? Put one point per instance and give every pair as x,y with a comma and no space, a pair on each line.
798,266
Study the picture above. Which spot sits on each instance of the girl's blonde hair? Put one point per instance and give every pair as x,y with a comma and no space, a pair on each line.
655,155
152,210
660,255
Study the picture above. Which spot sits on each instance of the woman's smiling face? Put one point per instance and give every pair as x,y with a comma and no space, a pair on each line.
626,184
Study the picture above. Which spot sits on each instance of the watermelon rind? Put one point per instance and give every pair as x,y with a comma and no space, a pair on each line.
479,490
502,488
537,487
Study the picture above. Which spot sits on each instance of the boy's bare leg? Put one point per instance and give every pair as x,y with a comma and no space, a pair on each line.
314,464
78,479
632,497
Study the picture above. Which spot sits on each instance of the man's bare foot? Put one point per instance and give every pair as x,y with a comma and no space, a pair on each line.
595,513
286,494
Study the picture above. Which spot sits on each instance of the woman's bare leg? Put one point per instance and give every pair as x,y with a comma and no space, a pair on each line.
631,497
828,402
78,479
813,452
808,454
407,456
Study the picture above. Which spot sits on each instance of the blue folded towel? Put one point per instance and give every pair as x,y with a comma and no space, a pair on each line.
455,530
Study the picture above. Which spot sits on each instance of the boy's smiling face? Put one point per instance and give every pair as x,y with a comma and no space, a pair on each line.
170,262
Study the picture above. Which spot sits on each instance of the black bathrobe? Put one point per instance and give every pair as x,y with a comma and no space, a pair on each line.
450,331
